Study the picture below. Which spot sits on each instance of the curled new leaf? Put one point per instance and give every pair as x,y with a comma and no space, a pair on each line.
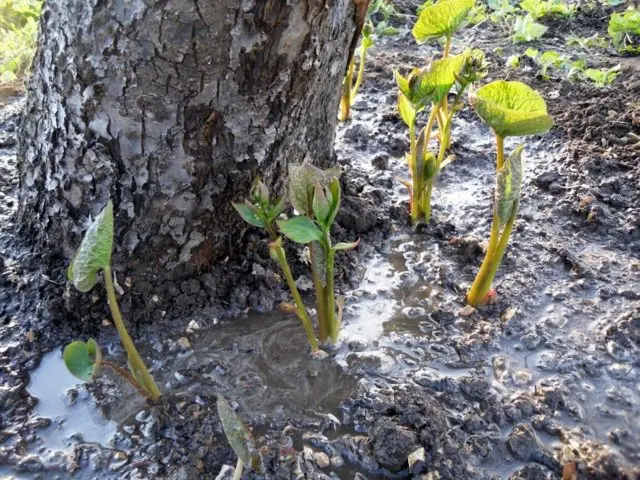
82,359
509,186
300,229
511,108
302,181
94,253
249,214
346,245
442,19
406,109
235,430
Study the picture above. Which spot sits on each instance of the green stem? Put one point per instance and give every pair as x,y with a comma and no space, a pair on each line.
300,308
447,47
416,175
330,291
360,76
237,473
134,357
345,99
323,330
126,374
500,152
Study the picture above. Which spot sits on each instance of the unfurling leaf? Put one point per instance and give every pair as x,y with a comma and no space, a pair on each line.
509,186
406,109
260,193
235,430
322,203
82,359
94,253
300,229
249,214
511,108
430,166
346,245
442,19
434,83
302,181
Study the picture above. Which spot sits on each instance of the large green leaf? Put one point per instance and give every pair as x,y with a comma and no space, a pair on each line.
235,430
94,253
442,19
300,229
82,359
509,185
434,83
511,108
302,181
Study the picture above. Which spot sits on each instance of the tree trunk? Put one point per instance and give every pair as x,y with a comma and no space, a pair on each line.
171,108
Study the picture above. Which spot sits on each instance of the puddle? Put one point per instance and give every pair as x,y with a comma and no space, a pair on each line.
261,362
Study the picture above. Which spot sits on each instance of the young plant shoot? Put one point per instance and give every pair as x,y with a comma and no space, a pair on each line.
315,194
509,109
349,89
84,359
261,212
239,437
419,89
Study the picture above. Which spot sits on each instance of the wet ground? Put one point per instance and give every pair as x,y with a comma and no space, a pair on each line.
547,376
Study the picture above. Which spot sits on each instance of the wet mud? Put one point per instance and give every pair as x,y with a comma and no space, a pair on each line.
546,376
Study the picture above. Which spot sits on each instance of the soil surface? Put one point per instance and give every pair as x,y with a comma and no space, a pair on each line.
545,377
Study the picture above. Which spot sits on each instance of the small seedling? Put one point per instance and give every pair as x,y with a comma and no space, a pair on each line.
315,194
602,76
262,212
380,13
526,29
594,41
542,8
419,89
509,109
349,89
624,30
239,438
83,359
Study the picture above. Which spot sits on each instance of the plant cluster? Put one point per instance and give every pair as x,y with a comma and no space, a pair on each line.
624,30
19,28
349,88
315,195
429,87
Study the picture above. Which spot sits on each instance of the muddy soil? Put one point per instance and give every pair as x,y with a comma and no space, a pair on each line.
547,376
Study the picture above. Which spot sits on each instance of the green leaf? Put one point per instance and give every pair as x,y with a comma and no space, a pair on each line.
434,83
275,210
509,186
94,253
346,245
302,181
442,19
235,430
334,189
82,359
322,203
406,109
622,26
249,214
526,29
300,229
511,108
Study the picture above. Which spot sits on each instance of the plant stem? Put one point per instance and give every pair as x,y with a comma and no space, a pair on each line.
237,473
330,291
447,47
300,308
497,245
360,76
134,357
323,331
126,374
416,175
345,99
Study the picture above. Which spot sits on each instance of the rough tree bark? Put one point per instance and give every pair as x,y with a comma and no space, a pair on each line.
171,108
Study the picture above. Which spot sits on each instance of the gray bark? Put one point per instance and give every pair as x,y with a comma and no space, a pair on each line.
171,108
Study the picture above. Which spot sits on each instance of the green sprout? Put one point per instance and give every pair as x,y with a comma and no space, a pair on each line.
386,10
509,109
624,30
602,76
542,8
261,212
349,89
526,29
315,194
239,437
83,359
419,89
